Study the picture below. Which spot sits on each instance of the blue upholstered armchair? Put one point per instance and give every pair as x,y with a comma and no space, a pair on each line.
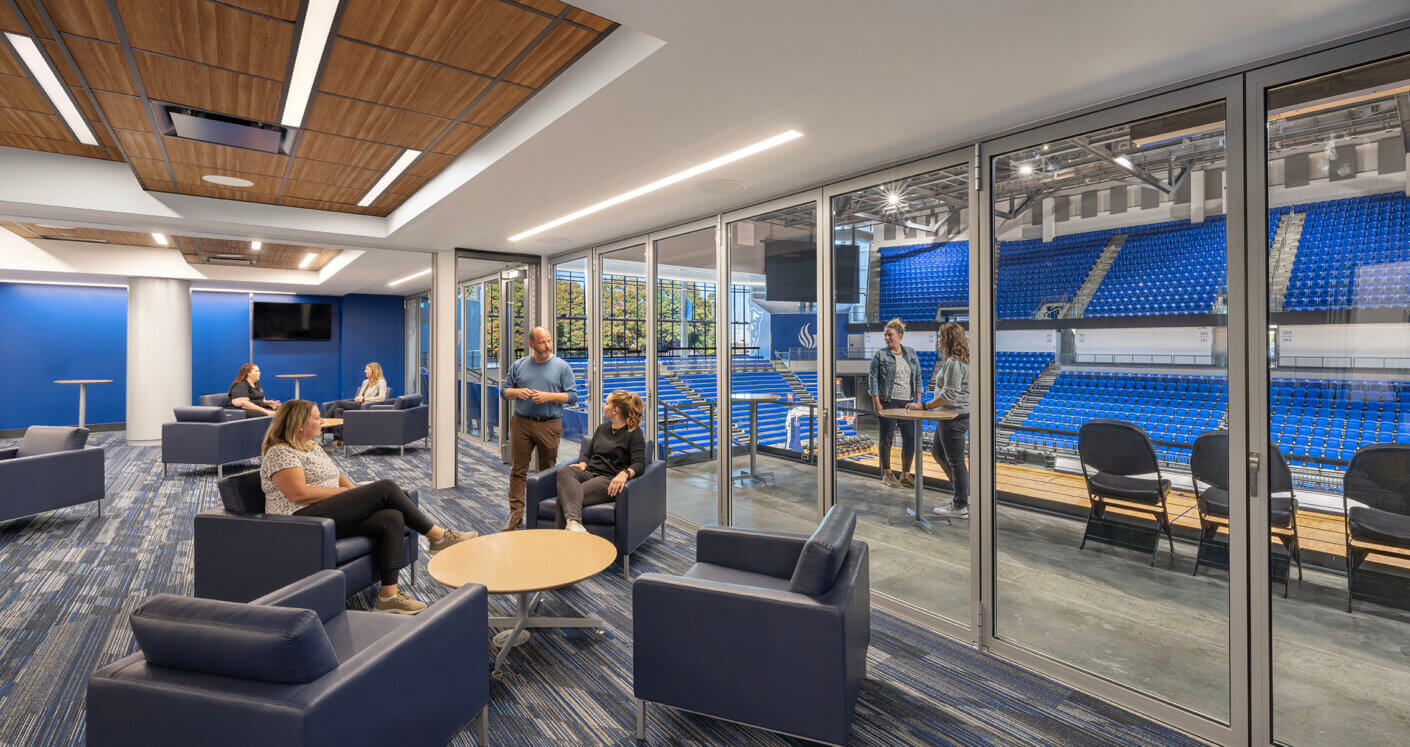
768,629
396,422
49,469
627,521
212,433
295,668
242,552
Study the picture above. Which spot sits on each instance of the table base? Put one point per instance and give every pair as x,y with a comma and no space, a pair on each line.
760,477
910,517
525,605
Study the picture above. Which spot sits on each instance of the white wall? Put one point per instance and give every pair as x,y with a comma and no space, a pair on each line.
1026,341
1186,345
1363,345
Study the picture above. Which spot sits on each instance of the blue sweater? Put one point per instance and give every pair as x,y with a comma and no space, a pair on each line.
555,375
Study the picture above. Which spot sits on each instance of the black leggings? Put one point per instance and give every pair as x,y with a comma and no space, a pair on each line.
908,437
336,409
379,510
949,450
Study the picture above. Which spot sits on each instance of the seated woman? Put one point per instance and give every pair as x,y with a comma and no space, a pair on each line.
373,389
248,395
616,453
300,479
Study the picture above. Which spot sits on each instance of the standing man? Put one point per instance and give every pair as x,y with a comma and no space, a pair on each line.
540,384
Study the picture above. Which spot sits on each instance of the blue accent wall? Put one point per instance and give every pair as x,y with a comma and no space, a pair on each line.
220,340
320,357
61,332
372,331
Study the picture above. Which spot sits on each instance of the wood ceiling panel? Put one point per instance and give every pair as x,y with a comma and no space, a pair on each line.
305,170
223,158
104,66
124,112
362,72
35,124
88,18
347,151
498,102
21,93
371,122
204,87
460,137
203,189
429,164
67,147
209,33
19,229
324,192
285,9
8,64
321,205
439,29
187,173
36,21
551,7
61,63
557,49
149,169
9,21
157,185
596,23
139,144
95,123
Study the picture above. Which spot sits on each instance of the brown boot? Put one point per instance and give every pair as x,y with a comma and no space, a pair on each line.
515,519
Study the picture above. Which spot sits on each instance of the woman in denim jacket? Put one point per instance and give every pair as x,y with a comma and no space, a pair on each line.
893,381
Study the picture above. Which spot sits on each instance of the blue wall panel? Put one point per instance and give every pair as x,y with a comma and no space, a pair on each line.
319,357
220,340
61,332
372,331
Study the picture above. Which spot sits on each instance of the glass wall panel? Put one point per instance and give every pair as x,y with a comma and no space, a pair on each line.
902,253
1339,394
422,381
623,304
494,374
686,305
1111,361
472,357
773,394
570,343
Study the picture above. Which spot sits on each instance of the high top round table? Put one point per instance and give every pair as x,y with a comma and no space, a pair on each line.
525,562
83,394
918,417
296,378
753,398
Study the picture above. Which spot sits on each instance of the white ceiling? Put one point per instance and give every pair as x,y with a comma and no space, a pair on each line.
867,83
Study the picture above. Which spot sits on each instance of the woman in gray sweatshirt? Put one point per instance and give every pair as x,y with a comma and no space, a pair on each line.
951,384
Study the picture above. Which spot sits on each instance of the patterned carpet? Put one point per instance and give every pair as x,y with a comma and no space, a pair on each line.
71,578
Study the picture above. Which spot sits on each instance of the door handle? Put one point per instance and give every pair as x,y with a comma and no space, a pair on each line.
1253,464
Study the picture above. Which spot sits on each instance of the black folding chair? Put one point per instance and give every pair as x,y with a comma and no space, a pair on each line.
1209,464
1116,458
1378,482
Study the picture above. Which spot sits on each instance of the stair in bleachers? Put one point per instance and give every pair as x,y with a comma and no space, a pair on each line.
1283,256
1170,268
1032,273
795,384
1032,395
1094,278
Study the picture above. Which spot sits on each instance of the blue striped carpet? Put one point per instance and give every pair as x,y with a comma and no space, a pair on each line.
70,579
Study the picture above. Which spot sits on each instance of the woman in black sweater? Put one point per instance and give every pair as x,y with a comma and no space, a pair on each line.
616,453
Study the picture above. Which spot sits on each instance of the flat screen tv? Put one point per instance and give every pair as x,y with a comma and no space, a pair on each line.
791,271
292,321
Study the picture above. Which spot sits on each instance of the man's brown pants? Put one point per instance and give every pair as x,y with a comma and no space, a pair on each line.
525,436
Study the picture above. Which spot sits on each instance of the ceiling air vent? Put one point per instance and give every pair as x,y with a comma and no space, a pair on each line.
222,129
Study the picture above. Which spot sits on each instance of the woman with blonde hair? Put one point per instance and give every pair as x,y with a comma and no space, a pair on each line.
616,453
951,384
373,389
893,381
299,479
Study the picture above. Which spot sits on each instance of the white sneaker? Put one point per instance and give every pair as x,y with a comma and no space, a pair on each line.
574,526
952,512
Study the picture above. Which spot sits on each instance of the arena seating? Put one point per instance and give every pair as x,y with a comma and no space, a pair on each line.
1353,254
1331,418
917,279
1033,272
1176,267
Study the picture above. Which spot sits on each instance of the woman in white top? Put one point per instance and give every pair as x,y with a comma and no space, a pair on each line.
373,389
299,478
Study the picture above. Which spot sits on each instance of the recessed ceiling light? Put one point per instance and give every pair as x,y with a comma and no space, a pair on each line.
308,260
54,89
407,156
256,244
227,181
318,22
412,276
160,238
680,176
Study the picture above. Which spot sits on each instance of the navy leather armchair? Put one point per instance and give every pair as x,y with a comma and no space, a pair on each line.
50,468
295,669
395,422
627,521
242,552
767,629
212,433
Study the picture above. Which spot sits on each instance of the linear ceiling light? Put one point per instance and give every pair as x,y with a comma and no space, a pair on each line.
318,22
256,244
412,276
58,95
728,158
1124,163
307,260
407,157
160,238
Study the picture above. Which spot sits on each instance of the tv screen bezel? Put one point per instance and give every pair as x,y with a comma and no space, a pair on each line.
255,310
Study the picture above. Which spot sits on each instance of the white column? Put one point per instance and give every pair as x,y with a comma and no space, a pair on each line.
1197,196
158,355
1049,218
443,439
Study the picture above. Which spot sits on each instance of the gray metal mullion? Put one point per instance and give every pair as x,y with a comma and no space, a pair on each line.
824,422
982,312
652,343
724,463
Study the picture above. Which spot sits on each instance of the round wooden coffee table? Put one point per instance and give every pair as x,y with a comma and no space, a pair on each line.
524,563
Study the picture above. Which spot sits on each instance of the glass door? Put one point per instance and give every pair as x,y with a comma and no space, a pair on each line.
686,371
472,367
1110,249
570,342
623,311
494,366
772,318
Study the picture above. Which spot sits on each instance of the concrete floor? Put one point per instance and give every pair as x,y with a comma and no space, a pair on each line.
1337,677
